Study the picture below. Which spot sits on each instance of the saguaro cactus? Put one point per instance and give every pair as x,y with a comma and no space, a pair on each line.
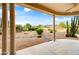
67,31
73,27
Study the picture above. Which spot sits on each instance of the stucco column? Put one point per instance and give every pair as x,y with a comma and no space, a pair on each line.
4,28
12,29
54,27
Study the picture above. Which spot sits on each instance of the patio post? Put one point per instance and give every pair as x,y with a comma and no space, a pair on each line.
4,28
54,27
12,29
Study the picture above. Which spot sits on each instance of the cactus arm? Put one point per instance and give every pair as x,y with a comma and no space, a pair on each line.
74,26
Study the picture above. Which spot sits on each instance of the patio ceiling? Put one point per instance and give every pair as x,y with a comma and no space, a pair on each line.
60,9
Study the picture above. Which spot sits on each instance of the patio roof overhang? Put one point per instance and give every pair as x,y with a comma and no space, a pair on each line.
58,9
53,9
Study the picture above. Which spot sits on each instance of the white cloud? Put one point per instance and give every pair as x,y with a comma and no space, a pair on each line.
26,17
27,9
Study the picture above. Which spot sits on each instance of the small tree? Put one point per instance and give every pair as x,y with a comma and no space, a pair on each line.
62,25
19,28
33,28
39,26
27,26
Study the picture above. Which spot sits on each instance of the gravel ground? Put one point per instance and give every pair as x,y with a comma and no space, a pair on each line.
28,39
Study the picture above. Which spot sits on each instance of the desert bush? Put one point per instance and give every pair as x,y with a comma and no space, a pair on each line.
27,27
33,28
19,28
51,31
39,26
62,25
39,31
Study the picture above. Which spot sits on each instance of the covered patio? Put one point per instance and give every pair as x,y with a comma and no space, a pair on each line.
53,9
60,47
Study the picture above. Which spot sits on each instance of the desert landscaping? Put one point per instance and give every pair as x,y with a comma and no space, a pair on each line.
29,38
29,35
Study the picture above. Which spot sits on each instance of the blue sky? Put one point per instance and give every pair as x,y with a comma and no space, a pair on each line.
25,15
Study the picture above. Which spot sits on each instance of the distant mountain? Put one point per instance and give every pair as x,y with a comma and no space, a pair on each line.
48,25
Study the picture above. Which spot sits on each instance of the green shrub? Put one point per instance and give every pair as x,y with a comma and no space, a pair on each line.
51,31
48,29
25,29
39,26
33,28
19,28
62,25
39,31
27,26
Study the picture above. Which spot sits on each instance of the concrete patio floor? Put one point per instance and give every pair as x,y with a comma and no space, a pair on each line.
60,47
